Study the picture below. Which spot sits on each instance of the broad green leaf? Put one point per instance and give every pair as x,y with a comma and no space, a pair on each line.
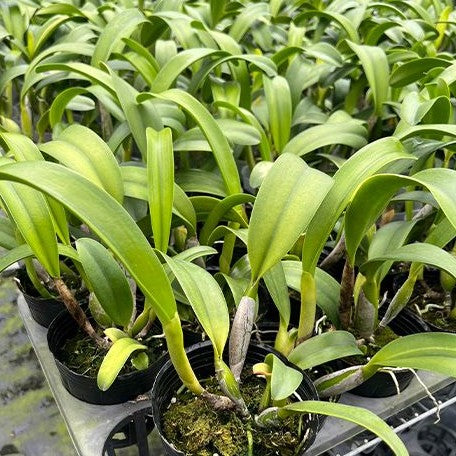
106,280
323,348
388,238
139,115
98,210
23,251
366,162
201,181
214,135
415,70
24,149
287,200
357,415
136,186
219,211
429,129
79,148
160,173
276,284
278,99
435,352
284,379
348,133
30,212
176,65
195,252
328,289
115,359
360,216
206,299
115,334
375,65
110,40
416,253
7,235
340,19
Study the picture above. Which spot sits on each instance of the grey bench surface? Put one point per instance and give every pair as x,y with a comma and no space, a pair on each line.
90,425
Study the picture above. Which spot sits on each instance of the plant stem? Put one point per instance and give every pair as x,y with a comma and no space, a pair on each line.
346,295
77,313
308,307
176,350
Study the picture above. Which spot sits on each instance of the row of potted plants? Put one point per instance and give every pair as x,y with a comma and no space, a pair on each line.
242,172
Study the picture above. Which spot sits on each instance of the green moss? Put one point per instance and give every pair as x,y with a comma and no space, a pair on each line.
195,428
81,354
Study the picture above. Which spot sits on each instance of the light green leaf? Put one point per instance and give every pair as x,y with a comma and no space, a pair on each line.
278,99
160,173
286,202
324,348
349,133
79,148
98,210
366,162
375,65
106,280
284,379
207,301
214,135
435,352
110,40
276,284
357,415
115,359
328,289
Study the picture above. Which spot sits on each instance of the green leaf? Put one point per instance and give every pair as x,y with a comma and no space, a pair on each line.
364,210
375,65
328,289
286,202
366,162
278,99
107,219
140,361
115,359
434,352
136,186
347,132
276,284
206,299
219,211
107,281
139,116
357,415
119,27
160,173
284,379
115,334
214,135
324,348
416,69
177,64
79,148
416,253
29,211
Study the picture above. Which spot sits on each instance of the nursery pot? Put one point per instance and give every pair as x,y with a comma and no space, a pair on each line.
201,357
43,310
126,387
382,384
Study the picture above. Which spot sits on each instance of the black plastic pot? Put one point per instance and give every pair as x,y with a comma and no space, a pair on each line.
382,384
125,387
201,359
43,310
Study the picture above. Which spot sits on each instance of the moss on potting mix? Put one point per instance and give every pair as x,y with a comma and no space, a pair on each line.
196,429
